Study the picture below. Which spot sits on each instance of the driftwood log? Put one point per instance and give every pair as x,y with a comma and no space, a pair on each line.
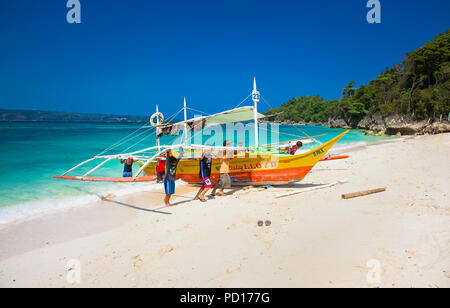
363,193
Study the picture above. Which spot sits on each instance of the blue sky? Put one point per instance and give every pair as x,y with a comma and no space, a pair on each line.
127,56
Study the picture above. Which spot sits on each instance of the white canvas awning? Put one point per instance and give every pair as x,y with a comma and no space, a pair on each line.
241,114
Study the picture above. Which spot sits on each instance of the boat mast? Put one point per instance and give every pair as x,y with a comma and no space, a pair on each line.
255,98
185,123
157,122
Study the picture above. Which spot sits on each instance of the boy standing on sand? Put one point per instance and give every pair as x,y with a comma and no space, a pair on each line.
171,174
224,178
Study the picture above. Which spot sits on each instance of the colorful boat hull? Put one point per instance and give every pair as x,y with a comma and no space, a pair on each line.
256,169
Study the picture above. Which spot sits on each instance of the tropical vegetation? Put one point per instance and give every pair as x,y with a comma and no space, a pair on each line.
418,87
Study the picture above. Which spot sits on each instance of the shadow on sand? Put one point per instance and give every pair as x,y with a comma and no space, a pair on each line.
137,208
297,185
230,192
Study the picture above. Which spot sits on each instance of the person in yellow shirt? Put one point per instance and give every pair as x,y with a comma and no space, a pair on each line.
224,178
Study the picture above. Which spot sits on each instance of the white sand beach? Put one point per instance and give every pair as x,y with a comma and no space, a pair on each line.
315,239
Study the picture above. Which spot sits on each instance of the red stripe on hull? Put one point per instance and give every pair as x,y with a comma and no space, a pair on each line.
272,176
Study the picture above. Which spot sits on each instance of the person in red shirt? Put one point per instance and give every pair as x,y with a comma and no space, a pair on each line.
160,169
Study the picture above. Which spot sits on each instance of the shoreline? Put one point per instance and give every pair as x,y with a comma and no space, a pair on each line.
71,202
87,214
38,208
396,126
315,239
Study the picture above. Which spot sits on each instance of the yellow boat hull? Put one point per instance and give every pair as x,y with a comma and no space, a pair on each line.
256,169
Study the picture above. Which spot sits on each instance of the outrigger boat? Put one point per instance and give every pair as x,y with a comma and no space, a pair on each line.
253,165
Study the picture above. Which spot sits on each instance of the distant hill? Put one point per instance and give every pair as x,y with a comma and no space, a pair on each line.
56,116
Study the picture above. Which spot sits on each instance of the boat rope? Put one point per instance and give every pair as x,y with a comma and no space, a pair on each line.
128,137
284,133
243,101
295,126
270,106
195,110
146,137
116,144
267,103
174,115
135,136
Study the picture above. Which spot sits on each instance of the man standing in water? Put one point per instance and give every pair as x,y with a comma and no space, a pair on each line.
171,174
128,168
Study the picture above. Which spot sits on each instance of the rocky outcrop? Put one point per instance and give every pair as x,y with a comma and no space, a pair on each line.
438,128
374,123
338,123
400,125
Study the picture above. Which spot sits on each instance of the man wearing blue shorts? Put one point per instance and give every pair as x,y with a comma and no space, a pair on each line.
128,168
171,174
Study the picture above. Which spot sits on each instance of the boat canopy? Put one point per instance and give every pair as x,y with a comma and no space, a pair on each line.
241,114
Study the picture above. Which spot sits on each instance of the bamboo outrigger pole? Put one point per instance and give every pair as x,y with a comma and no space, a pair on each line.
98,166
79,165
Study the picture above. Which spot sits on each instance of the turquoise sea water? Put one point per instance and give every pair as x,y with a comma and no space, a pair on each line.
31,153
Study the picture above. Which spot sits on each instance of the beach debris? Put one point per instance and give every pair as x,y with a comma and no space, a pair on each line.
363,193
310,189
137,261
262,223
247,187
165,250
106,197
265,188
